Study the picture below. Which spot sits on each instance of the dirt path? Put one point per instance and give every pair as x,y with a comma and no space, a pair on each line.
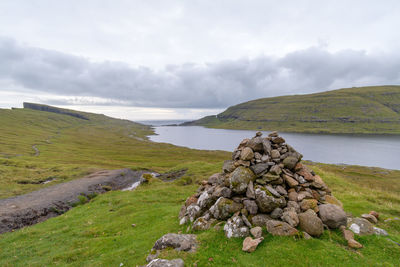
38,206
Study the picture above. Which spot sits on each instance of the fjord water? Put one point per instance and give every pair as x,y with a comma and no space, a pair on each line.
366,150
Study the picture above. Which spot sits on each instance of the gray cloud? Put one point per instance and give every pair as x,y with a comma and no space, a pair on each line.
213,85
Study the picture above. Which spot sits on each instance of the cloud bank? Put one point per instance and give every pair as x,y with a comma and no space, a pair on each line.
212,85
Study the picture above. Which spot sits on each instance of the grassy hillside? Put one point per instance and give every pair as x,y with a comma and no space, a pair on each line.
352,110
100,234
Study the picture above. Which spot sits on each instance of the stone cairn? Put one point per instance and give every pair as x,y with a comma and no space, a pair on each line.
264,185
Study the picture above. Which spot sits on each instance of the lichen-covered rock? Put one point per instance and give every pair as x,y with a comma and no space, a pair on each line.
267,203
193,211
205,200
332,215
201,224
240,178
235,227
360,226
310,223
224,208
280,228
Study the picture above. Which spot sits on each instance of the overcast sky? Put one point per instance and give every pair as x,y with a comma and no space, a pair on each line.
186,59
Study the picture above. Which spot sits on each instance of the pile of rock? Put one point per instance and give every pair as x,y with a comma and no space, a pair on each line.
264,185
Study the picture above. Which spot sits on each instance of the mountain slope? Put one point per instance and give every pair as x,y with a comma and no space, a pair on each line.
373,109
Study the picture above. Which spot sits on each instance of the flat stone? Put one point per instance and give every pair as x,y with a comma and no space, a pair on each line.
290,181
166,263
380,231
361,226
273,191
370,218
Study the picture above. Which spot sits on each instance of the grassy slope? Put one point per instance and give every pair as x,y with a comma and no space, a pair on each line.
353,110
100,233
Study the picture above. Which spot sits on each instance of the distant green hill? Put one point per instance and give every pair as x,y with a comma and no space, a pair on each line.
374,109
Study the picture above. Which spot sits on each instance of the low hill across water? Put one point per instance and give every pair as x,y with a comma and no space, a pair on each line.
372,110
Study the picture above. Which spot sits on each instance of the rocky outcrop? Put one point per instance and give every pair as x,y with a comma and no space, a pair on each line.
41,107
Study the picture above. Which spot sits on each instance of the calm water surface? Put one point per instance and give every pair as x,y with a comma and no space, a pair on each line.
366,150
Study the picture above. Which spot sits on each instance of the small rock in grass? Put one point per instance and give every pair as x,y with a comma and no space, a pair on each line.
307,236
250,244
354,244
374,213
380,231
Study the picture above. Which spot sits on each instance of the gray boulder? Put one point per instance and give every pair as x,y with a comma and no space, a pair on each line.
310,223
332,215
240,178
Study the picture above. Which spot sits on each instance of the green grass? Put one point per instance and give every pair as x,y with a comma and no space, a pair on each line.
369,110
99,233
